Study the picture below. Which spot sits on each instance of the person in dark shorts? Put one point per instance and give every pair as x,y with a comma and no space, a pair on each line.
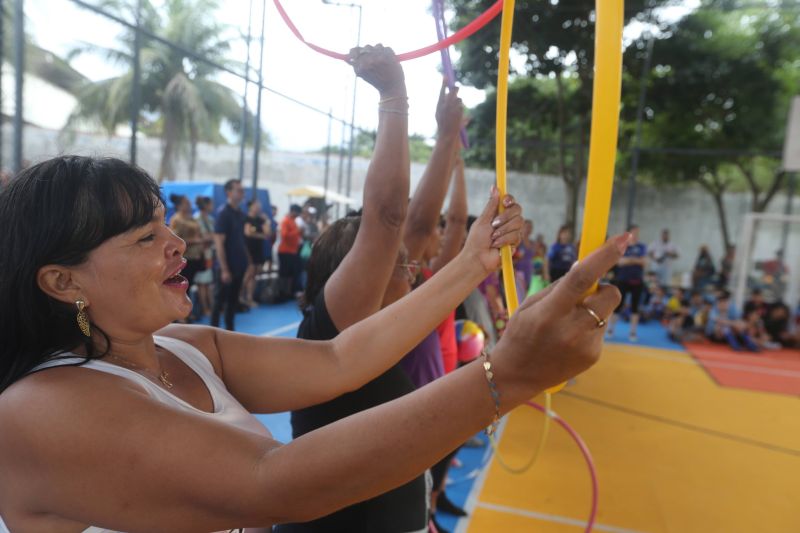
257,232
629,279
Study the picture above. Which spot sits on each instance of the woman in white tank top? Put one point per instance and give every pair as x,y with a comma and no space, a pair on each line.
115,419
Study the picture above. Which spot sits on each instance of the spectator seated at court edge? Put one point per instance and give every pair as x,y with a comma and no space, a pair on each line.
655,307
676,300
756,303
688,324
724,325
757,330
776,322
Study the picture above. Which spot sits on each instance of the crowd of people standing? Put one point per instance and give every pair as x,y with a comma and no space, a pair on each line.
231,265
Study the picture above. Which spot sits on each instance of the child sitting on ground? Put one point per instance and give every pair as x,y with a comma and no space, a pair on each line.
687,324
724,326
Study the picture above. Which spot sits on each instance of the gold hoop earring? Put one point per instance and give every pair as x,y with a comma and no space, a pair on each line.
83,318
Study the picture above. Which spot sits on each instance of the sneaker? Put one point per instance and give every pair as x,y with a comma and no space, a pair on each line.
633,338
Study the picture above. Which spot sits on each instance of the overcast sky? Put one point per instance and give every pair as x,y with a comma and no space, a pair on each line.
289,66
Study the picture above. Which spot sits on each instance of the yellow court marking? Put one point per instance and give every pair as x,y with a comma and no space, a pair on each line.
685,458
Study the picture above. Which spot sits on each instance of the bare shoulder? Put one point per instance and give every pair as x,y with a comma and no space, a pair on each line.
62,396
43,415
201,337
77,443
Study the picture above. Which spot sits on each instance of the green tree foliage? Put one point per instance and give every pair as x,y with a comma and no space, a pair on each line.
552,41
179,94
720,85
39,62
532,144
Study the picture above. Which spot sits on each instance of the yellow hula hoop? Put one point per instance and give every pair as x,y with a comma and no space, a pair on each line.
509,283
606,92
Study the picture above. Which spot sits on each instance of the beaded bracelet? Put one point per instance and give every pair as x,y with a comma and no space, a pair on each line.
391,99
487,368
390,110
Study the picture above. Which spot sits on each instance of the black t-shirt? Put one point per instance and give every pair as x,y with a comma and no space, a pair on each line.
400,510
230,222
256,246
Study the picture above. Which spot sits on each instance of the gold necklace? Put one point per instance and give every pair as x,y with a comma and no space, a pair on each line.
163,377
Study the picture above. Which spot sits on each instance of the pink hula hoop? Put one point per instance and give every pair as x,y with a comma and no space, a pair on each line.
479,22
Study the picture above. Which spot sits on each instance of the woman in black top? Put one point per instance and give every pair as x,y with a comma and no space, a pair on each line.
257,233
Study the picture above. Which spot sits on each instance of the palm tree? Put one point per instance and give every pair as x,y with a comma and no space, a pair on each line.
39,62
185,104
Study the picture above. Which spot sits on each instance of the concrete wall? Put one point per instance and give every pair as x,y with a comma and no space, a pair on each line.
689,212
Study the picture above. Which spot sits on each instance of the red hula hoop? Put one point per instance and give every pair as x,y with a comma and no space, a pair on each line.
479,22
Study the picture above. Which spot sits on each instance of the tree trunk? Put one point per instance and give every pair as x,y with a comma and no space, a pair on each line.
759,204
775,186
167,168
723,219
717,190
194,141
169,139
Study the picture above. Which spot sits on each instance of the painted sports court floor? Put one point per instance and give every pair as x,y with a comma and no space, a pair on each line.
681,444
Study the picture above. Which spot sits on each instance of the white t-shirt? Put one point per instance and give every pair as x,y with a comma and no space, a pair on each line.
659,250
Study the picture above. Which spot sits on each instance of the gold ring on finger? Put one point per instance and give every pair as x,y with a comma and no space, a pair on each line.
600,322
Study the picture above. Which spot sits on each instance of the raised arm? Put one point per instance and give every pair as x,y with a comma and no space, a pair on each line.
356,288
426,204
273,374
456,223
179,471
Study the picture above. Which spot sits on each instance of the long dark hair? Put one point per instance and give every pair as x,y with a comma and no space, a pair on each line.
57,212
328,252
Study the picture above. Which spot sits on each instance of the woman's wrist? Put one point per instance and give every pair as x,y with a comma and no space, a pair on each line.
470,267
512,385
394,92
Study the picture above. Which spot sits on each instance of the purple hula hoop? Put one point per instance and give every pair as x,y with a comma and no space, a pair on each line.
447,64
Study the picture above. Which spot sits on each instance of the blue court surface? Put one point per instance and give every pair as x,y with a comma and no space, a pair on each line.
280,320
650,334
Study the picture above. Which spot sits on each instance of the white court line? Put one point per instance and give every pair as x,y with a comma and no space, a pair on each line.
689,360
473,502
553,518
282,329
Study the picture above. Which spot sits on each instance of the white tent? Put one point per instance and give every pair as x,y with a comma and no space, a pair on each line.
315,191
